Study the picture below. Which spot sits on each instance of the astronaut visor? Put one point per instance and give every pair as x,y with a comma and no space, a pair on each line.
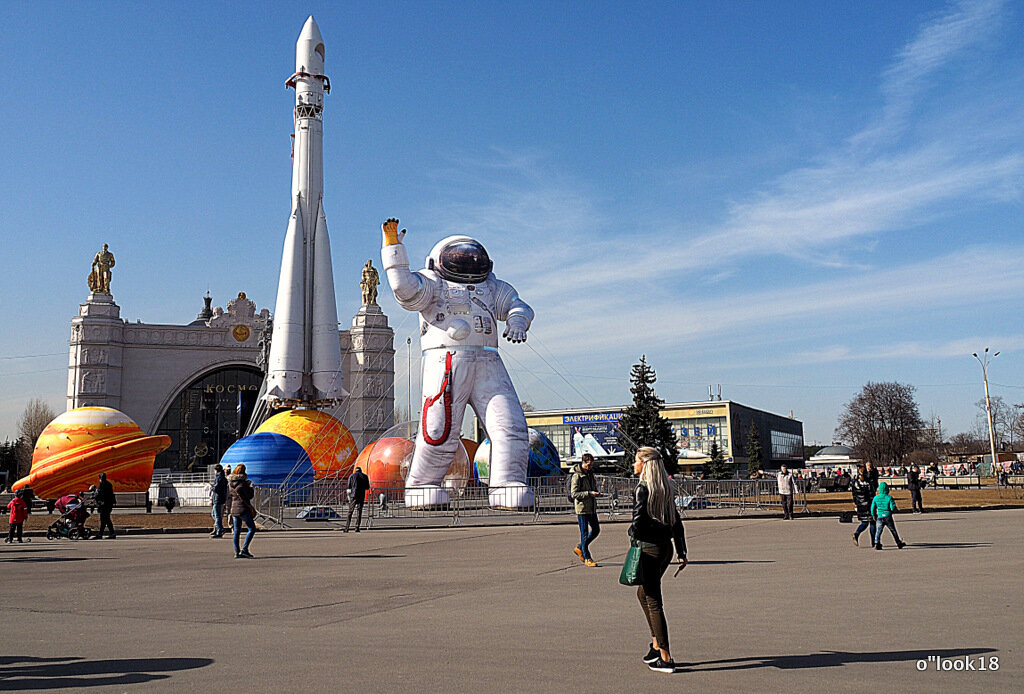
464,261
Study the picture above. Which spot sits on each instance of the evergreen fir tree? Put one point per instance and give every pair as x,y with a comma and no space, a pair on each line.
717,468
642,423
755,454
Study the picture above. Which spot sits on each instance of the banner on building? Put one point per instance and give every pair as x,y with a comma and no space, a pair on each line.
596,433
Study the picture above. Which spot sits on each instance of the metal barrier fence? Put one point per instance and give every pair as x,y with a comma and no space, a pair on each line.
281,506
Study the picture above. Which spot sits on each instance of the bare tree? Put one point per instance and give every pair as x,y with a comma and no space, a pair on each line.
1002,418
882,422
968,443
33,420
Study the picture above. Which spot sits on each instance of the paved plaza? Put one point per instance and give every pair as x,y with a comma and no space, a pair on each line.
765,606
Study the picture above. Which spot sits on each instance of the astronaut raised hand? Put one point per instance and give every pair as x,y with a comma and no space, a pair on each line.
391,234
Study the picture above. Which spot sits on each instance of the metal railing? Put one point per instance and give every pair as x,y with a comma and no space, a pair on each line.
385,504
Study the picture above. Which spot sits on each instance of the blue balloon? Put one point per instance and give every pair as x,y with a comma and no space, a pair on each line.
544,460
270,460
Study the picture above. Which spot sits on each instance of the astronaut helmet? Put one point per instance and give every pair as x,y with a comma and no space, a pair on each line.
460,259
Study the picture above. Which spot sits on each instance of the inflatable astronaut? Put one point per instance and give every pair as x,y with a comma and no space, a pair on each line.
460,302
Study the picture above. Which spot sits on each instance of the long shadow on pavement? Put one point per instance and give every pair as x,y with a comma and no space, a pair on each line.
736,561
52,559
829,659
947,545
21,673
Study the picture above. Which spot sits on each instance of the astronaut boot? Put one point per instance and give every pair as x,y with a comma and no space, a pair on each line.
511,496
426,497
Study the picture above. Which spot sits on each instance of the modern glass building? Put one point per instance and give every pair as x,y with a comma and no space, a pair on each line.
696,424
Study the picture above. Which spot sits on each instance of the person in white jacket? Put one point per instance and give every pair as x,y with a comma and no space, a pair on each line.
787,489
460,303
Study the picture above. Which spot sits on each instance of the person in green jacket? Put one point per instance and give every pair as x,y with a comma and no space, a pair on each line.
882,508
583,488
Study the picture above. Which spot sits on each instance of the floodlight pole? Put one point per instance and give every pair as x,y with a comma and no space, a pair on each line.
988,403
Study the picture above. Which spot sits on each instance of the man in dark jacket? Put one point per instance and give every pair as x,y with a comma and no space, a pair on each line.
914,485
105,502
218,497
358,485
872,477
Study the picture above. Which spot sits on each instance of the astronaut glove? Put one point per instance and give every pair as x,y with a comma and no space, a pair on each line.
515,329
391,234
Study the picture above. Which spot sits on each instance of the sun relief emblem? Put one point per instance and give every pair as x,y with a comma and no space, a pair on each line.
240,333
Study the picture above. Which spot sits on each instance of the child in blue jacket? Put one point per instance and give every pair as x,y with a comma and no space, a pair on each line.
882,508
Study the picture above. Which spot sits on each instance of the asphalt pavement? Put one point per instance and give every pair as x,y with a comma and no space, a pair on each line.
766,605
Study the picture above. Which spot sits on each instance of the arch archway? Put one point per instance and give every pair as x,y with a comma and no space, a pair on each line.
202,417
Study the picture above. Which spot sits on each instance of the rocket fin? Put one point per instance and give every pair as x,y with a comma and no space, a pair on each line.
326,372
287,349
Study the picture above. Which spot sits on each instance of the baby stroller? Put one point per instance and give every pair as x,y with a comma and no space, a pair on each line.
71,523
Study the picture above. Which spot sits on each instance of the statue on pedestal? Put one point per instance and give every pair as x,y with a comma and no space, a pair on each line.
369,284
99,277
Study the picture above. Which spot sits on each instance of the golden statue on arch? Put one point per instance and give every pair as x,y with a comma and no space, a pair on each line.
99,277
369,284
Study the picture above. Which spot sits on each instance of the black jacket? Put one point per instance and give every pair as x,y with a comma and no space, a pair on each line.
913,479
873,479
647,529
862,496
358,485
220,488
105,495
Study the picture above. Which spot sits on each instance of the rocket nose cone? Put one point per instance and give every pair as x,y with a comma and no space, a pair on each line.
309,49
311,31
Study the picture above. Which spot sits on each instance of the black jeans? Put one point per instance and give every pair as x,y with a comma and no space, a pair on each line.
653,562
352,506
787,505
105,520
15,528
915,500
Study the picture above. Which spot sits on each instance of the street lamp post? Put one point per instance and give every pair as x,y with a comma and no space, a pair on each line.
408,391
988,404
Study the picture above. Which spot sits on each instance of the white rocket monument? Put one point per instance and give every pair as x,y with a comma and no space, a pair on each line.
304,364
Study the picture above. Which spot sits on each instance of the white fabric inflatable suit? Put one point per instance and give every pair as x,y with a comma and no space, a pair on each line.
460,302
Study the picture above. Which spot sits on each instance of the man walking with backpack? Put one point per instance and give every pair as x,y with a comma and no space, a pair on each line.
583,491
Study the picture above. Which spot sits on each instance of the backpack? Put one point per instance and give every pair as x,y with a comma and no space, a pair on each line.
568,488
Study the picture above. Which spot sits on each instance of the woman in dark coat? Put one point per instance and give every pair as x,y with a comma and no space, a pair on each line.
862,496
656,526
240,496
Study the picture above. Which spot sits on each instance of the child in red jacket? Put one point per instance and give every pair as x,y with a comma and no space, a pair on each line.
19,512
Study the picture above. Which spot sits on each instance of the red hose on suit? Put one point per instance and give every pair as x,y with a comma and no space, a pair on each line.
446,391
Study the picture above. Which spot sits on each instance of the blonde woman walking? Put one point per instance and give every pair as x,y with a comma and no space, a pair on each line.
656,526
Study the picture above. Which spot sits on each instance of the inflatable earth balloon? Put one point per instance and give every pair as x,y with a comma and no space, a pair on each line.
544,458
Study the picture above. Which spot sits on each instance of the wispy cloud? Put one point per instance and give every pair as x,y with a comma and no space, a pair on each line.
939,349
858,299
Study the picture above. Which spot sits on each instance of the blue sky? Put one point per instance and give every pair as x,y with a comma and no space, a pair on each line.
788,199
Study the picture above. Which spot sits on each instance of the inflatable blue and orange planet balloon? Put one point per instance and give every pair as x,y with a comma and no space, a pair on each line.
81,443
295,447
544,459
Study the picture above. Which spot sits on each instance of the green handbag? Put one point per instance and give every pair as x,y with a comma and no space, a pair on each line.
632,574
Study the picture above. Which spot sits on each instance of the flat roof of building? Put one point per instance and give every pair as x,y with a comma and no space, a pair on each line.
693,405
